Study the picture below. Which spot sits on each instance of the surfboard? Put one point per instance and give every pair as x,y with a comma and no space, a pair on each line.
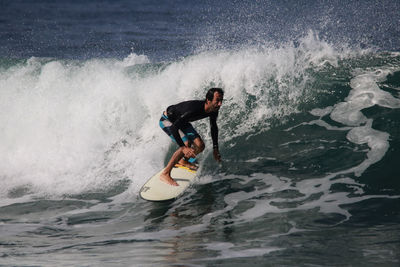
156,190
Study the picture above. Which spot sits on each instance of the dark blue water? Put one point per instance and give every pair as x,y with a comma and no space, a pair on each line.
309,132
170,29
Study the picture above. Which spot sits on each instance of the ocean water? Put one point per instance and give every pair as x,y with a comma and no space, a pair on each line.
309,132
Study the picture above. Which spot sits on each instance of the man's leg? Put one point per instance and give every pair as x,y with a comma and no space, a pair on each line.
178,157
198,145
188,134
166,174
194,141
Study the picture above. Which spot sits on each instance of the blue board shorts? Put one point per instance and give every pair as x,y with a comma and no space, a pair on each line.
186,133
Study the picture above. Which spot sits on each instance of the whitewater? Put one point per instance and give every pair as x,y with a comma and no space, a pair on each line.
64,120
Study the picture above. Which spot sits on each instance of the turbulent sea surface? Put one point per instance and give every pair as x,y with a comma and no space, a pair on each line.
309,132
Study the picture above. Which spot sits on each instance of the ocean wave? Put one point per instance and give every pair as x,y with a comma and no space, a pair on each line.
74,126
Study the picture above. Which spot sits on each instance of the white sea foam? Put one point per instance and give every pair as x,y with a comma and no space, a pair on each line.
308,194
72,127
229,251
134,59
365,93
59,119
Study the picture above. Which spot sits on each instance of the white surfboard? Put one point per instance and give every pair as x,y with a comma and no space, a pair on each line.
156,190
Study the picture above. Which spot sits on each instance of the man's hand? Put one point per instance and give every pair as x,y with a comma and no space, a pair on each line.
217,156
188,152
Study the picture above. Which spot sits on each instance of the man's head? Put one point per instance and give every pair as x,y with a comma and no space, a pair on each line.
214,99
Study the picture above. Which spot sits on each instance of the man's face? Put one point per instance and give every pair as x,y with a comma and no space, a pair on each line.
216,103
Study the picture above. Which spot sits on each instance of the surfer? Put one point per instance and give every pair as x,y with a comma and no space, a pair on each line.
175,122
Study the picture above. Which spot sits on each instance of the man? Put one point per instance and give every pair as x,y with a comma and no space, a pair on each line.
175,122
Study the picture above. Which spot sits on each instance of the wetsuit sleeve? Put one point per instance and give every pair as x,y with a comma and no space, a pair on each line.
214,130
176,126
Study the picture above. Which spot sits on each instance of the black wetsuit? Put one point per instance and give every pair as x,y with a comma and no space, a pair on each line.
183,113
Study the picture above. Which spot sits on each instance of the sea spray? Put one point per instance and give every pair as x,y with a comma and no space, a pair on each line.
80,126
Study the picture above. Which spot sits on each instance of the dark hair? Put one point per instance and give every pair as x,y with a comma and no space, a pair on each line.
210,93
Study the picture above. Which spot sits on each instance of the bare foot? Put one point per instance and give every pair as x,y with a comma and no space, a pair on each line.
167,179
188,164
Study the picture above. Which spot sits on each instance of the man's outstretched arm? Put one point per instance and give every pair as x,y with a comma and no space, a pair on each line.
214,136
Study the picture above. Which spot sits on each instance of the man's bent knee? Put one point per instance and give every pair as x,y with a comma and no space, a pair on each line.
199,146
